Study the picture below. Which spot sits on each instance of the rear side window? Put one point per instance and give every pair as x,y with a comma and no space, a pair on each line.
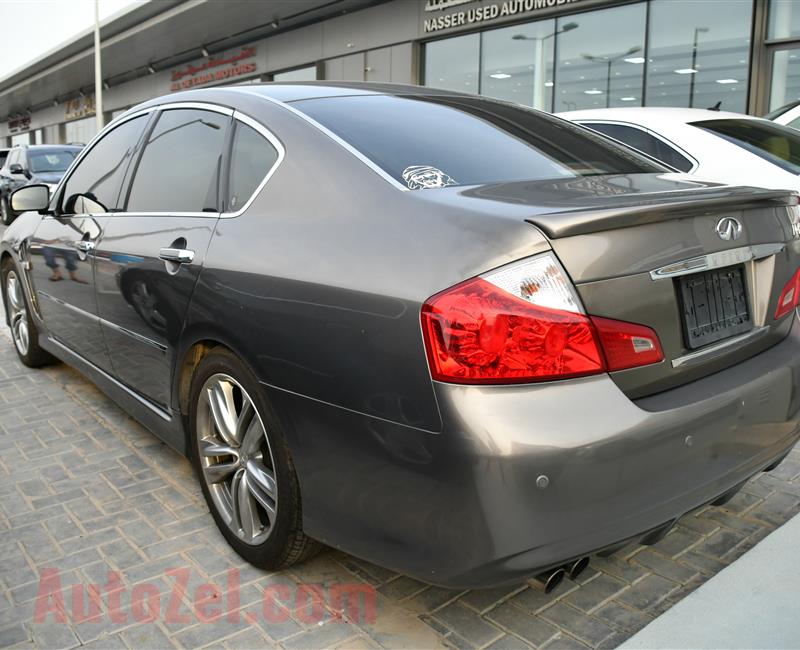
775,143
180,166
100,172
643,141
252,157
426,142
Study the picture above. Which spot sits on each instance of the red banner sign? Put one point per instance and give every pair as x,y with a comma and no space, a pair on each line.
214,69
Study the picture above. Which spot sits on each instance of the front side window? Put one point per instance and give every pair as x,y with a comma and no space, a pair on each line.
51,161
643,141
775,143
428,142
180,166
252,157
99,174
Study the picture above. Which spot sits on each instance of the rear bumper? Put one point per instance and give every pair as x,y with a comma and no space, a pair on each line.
462,508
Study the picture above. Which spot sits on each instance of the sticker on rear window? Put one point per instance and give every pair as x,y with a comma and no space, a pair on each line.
425,177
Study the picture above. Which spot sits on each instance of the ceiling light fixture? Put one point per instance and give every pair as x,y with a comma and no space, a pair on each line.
686,71
151,69
204,50
727,81
593,91
627,99
635,59
500,75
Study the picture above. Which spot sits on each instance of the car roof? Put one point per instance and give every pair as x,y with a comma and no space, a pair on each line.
654,114
301,90
47,147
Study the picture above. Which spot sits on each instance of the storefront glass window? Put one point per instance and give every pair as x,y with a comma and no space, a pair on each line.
600,60
301,74
784,19
81,131
453,63
517,64
785,85
698,53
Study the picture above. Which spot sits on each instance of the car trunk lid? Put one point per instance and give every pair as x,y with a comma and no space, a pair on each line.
702,265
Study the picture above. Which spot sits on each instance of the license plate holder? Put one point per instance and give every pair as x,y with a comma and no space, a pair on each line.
715,306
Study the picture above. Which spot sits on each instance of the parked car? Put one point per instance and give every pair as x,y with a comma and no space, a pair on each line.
512,366
713,145
788,115
29,165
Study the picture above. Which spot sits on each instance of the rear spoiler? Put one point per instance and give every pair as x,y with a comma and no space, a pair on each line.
655,207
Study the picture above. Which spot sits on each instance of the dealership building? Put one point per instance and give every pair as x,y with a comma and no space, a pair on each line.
556,55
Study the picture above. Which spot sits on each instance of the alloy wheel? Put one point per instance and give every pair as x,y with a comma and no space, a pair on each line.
18,313
236,459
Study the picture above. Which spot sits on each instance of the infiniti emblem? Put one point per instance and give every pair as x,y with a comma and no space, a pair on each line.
729,229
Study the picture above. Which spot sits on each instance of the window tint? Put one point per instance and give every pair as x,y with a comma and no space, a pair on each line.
99,174
776,143
252,157
643,141
3,156
426,142
52,160
179,168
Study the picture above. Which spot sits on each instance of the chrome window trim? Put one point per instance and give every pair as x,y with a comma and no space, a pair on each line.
274,141
704,355
716,260
343,143
644,129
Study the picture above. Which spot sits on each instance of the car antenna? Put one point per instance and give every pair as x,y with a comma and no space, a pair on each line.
716,106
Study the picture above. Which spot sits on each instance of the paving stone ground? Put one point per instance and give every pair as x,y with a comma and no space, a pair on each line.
86,491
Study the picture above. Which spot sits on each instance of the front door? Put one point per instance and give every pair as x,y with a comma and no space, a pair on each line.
62,249
150,255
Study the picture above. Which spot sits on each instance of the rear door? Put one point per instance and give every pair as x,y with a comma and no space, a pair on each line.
62,248
150,254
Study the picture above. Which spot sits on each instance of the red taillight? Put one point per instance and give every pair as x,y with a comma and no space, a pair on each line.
523,323
627,345
790,296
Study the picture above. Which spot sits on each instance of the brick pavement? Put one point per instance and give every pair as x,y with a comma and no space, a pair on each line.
85,490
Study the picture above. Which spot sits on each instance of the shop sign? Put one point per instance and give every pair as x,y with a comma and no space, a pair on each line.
79,107
19,124
478,14
215,69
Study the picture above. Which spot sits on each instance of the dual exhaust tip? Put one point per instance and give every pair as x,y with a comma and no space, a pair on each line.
552,578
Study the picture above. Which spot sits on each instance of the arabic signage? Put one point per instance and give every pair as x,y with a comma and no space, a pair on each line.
476,13
20,124
215,69
79,107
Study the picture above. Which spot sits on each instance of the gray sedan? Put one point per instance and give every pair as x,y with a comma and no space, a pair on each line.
462,339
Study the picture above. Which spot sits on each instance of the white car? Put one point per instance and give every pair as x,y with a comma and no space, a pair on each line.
788,114
718,146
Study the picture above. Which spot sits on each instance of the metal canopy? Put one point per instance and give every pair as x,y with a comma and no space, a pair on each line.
154,36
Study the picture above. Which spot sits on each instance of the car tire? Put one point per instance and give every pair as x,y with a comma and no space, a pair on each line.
24,332
244,465
6,216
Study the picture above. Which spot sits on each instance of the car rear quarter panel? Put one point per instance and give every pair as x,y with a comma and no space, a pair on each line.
319,284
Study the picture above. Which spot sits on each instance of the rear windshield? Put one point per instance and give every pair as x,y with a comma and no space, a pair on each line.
428,142
778,144
51,161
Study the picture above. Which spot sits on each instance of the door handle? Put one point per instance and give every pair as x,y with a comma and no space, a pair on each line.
177,255
84,245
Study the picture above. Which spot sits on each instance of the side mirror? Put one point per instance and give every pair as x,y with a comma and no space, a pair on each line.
16,168
30,197
84,204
